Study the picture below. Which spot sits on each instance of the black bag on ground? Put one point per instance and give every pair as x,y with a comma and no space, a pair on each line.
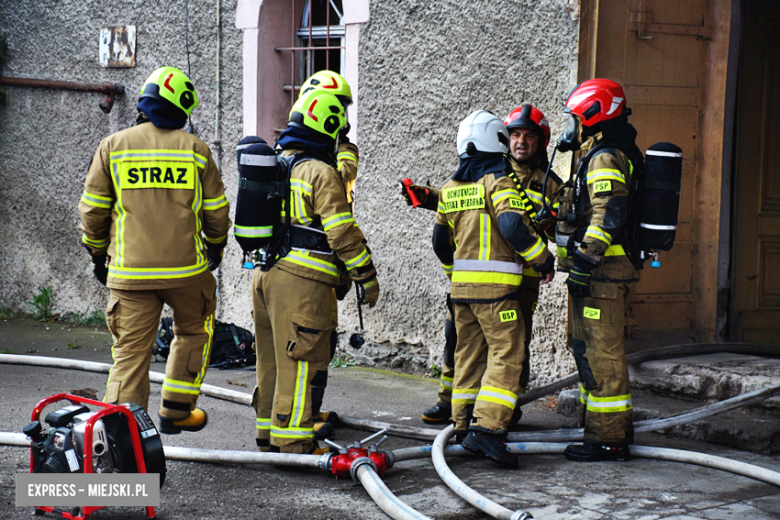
230,348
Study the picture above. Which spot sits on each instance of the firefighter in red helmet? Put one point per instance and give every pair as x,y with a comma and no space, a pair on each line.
594,214
529,136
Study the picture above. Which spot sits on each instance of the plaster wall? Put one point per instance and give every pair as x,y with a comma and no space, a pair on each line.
48,137
423,67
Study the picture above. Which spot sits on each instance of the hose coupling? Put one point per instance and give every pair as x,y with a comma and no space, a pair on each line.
521,515
360,461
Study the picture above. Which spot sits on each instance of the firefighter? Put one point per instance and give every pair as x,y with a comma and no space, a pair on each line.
529,135
602,278
293,301
480,209
347,159
154,208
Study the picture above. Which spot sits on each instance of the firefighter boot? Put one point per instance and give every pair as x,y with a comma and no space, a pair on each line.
589,452
195,422
491,446
323,430
441,413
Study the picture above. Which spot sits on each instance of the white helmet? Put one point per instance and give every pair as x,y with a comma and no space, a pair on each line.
482,131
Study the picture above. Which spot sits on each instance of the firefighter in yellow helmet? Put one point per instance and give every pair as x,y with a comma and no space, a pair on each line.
347,158
480,210
293,300
155,220
529,135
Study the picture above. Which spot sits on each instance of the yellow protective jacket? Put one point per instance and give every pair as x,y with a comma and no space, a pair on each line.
152,198
603,203
348,157
479,226
319,202
531,179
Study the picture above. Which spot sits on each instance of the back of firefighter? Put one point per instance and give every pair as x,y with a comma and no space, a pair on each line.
481,222
529,135
293,301
602,278
154,206
347,159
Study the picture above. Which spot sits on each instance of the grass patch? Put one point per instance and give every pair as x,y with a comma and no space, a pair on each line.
74,346
5,313
43,304
435,371
96,317
342,362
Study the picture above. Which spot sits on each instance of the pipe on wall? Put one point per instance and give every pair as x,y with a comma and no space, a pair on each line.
111,90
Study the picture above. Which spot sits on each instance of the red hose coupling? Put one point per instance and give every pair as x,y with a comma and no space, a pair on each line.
344,464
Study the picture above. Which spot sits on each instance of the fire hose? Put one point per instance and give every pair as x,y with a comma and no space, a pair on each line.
396,508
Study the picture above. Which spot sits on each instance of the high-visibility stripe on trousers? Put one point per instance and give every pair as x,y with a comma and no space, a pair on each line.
597,345
133,317
292,330
488,363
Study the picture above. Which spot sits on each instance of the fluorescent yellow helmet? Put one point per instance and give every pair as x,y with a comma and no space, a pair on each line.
319,111
328,81
171,84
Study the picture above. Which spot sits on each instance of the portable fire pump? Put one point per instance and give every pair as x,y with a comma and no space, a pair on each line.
115,439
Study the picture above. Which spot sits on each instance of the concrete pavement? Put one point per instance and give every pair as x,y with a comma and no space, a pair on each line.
549,486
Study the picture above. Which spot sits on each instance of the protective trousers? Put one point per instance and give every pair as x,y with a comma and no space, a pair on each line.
133,317
292,330
488,363
528,300
597,344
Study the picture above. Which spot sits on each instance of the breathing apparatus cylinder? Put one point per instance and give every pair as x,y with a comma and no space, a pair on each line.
659,199
258,207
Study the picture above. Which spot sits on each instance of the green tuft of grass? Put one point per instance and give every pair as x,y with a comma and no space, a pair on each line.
342,362
435,371
96,317
43,304
74,346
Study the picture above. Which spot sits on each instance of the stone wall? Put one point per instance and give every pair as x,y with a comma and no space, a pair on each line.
48,137
423,67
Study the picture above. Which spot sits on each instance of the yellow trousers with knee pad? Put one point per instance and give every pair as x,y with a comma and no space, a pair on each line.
528,300
488,363
598,348
292,338
133,317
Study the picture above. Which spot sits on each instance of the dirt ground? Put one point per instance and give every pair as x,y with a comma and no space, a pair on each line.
549,486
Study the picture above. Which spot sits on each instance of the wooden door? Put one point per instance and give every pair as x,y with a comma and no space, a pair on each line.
653,48
755,315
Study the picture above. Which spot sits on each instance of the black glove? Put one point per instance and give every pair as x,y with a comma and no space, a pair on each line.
100,268
214,255
342,290
370,291
547,267
579,278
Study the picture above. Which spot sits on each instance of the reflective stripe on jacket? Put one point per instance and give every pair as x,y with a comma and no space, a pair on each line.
152,198
484,265
318,201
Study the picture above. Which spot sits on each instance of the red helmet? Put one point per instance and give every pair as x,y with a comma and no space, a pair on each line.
528,116
596,100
